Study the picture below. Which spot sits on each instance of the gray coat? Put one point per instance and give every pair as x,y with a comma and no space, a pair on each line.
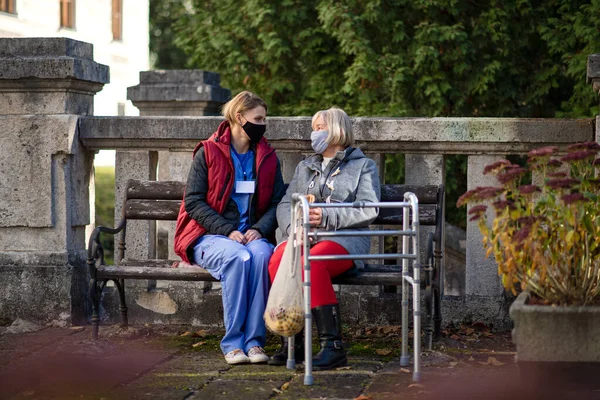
356,180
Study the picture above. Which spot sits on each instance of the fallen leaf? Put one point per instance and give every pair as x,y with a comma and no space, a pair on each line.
343,368
387,329
198,344
28,393
77,328
285,386
469,331
471,358
200,333
416,385
453,363
383,352
362,397
277,391
454,337
186,333
495,362
491,361
487,334
406,371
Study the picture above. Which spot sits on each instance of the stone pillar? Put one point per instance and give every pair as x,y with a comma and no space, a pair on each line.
45,173
481,273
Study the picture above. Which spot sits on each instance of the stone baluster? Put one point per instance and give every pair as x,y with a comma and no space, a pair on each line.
484,292
45,174
425,169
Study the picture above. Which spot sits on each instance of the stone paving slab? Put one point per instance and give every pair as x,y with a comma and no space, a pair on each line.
70,365
162,363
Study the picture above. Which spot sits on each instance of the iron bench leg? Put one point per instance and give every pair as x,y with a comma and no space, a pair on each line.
94,293
120,284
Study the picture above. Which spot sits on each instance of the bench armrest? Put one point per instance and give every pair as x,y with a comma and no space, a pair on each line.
95,249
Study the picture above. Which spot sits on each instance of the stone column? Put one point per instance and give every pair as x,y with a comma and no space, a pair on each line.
483,287
45,173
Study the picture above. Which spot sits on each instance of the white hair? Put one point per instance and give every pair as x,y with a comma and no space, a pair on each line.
338,125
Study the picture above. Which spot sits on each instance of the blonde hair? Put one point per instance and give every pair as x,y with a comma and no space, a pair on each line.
338,125
243,101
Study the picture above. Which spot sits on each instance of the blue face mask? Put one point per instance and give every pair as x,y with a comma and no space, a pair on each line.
318,141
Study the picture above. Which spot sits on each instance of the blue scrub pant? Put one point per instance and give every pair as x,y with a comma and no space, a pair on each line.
244,276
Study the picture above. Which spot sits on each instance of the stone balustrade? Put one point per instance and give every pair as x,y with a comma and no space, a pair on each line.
48,136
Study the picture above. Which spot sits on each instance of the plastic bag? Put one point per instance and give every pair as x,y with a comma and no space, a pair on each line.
284,314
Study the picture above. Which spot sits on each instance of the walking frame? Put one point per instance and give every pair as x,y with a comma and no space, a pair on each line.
410,229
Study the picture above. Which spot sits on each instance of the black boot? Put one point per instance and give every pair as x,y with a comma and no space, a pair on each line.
280,358
329,326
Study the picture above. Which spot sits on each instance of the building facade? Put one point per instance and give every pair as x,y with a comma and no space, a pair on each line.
118,29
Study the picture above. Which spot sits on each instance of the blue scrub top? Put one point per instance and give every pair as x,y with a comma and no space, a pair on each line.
243,165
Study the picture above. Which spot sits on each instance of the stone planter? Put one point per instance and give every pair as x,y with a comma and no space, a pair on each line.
555,334
556,342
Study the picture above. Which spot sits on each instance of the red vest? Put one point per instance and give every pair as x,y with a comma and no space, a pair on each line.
219,165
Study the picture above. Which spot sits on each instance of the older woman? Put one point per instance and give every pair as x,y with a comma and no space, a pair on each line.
337,173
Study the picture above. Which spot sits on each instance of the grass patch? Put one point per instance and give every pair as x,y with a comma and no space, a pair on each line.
105,207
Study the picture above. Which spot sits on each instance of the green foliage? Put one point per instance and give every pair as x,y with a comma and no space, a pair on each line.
400,58
164,54
105,206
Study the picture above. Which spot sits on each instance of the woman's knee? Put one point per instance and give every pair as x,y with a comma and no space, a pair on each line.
261,252
236,252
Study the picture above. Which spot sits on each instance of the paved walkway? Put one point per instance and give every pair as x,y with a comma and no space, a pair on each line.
158,362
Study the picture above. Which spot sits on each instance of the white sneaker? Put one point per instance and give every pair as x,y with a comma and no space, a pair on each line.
236,356
257,355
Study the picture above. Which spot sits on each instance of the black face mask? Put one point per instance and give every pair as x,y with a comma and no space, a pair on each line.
254,131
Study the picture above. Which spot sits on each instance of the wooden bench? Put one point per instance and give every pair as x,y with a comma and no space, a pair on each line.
161,200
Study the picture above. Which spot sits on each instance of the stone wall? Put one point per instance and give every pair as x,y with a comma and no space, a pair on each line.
426,140
45,174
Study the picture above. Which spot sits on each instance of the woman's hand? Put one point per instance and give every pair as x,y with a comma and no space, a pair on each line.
315,216
251,235
238,237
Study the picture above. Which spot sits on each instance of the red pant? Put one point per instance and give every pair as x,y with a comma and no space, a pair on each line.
321,272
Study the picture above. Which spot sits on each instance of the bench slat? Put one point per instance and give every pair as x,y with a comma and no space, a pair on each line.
164,210
149,190
426,194
167,210
393,216
200,274
168,274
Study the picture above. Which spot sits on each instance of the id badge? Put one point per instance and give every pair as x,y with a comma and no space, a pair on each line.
244,187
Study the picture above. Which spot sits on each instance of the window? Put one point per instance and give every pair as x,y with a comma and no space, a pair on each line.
67,13
117,19
8,6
